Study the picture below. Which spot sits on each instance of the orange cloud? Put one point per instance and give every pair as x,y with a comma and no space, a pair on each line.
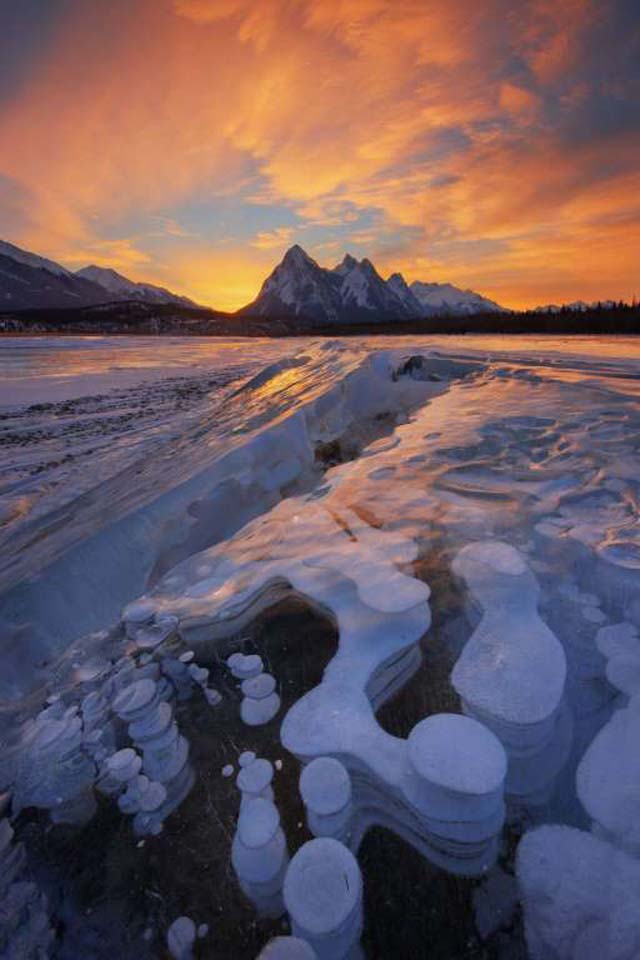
404,113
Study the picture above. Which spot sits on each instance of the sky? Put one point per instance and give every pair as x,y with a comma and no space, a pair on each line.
490,144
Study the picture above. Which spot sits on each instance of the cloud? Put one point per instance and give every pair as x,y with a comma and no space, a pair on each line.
273,239
440,132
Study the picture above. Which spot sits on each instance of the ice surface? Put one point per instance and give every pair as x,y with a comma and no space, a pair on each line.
349,478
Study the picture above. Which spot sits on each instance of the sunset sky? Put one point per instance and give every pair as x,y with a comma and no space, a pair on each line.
492,144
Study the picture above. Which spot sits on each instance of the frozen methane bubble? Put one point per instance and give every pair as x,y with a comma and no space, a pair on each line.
259,855
580,896
254,780
138,619
454,779
234,660
287,948
150,635
511,673
200,676
98,734
618,639
259,687
456,768
608,778
246,757
244,667
325,787
124,765
25,933
213,696
54,773
181,936
177,673
260,701
165,753
227,770
323,896
620,644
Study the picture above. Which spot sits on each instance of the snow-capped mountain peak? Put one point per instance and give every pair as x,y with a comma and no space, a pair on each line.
297,286
443,298
296,256
121,288
346,264
28,281
32,259
354,292
397,283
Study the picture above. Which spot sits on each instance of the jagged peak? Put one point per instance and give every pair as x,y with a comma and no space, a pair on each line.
297,255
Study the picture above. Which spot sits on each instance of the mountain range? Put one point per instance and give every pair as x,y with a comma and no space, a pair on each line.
297,290
354,292
29,282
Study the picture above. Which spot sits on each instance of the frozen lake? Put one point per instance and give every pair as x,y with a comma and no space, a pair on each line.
433,546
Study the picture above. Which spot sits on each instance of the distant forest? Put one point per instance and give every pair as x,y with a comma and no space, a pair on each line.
135,317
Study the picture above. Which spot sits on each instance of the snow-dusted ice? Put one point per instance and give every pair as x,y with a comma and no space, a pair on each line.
580,896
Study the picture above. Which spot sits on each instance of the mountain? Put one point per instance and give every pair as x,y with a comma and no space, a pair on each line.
354,292
28,281
399,285
31,259
121,288
440,299
299,292
364,293
298,287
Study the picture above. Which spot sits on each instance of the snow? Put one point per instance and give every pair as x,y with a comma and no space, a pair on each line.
31,259
122,288
580,896
444,298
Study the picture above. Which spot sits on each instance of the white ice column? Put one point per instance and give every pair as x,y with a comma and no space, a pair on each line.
325,787
454,778
287,948
259,855
323,896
